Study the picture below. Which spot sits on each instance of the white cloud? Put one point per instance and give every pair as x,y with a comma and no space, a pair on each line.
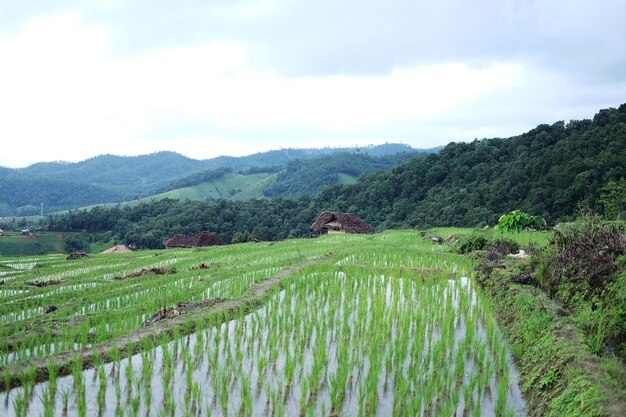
65,96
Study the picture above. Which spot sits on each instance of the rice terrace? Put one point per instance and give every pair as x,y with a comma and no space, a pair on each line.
269,208
363,325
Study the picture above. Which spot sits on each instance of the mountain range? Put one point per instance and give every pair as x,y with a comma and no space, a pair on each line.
111,178
554,171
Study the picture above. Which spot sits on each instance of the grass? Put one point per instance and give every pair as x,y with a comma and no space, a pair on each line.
560,373
15,244
234,186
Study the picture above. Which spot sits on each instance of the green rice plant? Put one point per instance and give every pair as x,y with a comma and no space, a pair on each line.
246,397
135,402
65,396
20,405
118,391
47,402
388,331
7,379
27,380
129,375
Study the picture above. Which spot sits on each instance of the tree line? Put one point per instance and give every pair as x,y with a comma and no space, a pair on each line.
551,171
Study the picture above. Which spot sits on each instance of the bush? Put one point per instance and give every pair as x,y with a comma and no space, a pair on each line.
75,244
518,220
472,243
504,246
583,257
499,247
585,269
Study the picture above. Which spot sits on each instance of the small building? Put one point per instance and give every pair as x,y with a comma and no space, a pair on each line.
201,239
334,222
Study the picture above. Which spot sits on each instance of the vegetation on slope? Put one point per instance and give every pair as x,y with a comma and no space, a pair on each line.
110,178
23,196
310,176
563,312
550,171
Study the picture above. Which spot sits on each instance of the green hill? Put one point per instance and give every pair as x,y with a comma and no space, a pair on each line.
110,178
552,171
231,186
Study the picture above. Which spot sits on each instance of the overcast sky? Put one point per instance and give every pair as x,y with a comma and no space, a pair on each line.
209,78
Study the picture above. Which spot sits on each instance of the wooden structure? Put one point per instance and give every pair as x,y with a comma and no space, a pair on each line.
201,239
334,222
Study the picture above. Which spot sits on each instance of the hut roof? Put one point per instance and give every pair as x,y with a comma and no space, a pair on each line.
117,249
178,241
348,221
207,239
201,239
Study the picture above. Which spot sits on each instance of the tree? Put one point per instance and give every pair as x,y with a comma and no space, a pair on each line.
613,199
75,244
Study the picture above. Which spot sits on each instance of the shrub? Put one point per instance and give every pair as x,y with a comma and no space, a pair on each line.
585,269
504,246
583,257
75,244
518,220
472,243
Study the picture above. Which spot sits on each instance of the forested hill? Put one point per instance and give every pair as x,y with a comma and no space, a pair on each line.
110,178
309,175
552,170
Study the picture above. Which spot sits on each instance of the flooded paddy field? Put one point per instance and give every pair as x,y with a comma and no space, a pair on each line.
370,325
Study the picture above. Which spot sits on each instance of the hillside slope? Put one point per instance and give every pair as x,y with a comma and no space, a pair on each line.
110,178
552,171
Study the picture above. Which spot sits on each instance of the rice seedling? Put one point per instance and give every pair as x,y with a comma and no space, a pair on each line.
386,326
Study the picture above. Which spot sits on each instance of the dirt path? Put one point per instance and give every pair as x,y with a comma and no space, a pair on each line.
132,343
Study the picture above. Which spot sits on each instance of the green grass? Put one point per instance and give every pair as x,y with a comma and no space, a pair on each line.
233,186
346,179
15,244
559,373
524,239
10,222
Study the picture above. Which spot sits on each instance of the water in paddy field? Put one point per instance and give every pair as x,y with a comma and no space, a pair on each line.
342,343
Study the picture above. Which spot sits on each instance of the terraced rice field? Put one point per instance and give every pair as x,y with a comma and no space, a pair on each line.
386,324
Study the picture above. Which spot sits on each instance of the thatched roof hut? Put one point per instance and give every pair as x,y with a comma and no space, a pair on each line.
201,239
207,239
335,222
178,241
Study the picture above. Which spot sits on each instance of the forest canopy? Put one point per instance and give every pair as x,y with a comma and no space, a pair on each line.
552,171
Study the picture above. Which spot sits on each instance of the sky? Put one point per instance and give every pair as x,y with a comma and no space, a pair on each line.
235,77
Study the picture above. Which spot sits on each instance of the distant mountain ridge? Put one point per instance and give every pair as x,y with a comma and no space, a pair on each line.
552,170
110,178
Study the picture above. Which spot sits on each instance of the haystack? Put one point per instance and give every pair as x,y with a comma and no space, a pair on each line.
117,249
